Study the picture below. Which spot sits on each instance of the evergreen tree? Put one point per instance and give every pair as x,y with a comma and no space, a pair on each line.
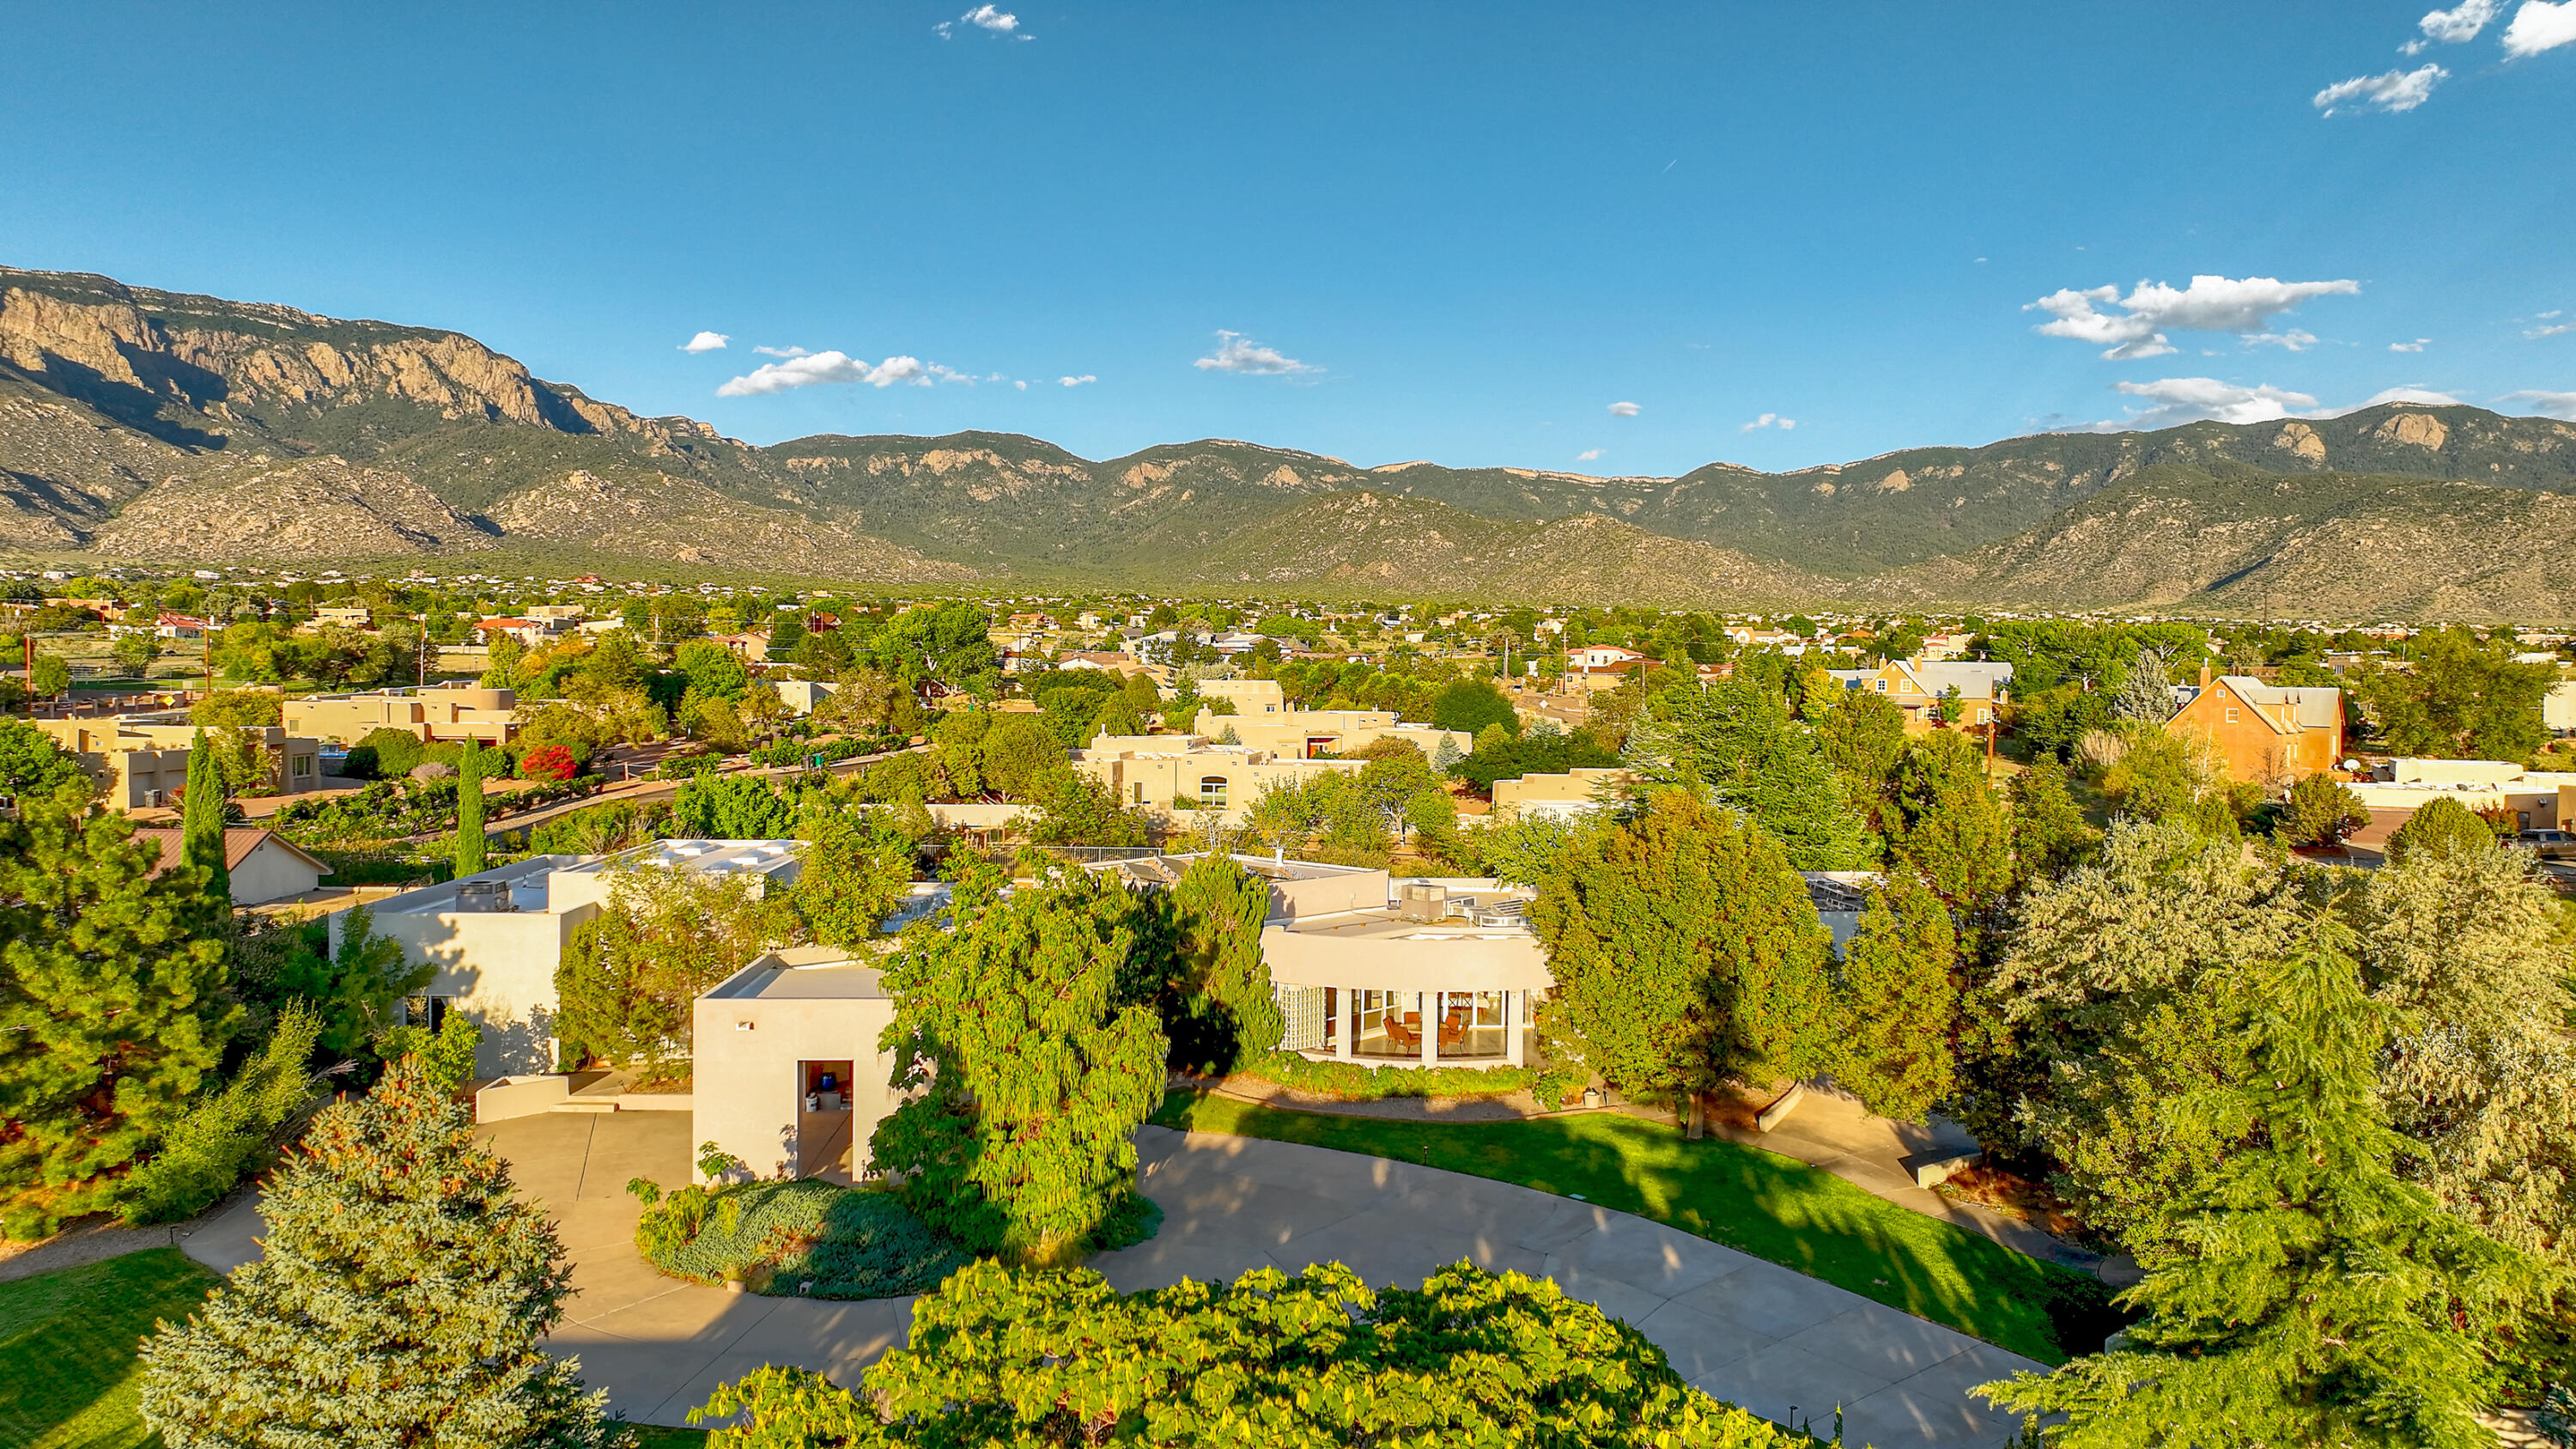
1862,733
1899,1002
201,823
2321,812
2309,1295
2049,836
1227,1014
1686,953
1027,1073
1735,741
786,631
1949,825
470,841
2443,826
402,1299
113,1009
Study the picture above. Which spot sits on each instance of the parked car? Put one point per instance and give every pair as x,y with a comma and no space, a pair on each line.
2548,844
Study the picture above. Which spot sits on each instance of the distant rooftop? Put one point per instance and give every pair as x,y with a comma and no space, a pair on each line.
1168,869
715,857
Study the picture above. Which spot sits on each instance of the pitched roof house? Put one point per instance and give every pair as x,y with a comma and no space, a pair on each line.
2268,733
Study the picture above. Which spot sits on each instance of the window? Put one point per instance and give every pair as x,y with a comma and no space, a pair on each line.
303,765
1212,792
1882,686
2231,716
1140,792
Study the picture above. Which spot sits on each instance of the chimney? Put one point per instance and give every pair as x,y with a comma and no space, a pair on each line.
2204,674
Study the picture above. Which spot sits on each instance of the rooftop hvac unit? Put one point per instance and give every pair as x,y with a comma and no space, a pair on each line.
484,896
1423,903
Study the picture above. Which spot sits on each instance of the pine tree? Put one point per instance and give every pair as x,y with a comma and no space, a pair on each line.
113,1009
1026,1073
1950,825
402,1299
1899,1002
201,823
469,812
2308,1294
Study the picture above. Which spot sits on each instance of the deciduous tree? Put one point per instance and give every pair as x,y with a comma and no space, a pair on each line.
1735,741
856,869
1028,1074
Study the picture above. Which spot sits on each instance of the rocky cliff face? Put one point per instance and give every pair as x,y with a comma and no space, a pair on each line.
157,425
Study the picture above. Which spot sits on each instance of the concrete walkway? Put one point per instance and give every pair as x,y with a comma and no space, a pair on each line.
1783,1345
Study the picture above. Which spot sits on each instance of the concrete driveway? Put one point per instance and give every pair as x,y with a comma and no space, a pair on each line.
1784,1345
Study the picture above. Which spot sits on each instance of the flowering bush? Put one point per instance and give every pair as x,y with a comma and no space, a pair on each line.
548,762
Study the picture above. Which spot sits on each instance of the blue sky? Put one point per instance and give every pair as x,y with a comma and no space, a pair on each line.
1599,238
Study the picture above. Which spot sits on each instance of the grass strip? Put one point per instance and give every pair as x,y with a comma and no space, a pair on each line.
1773,1207
69,1342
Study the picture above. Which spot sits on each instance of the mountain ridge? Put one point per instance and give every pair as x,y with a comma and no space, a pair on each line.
176,427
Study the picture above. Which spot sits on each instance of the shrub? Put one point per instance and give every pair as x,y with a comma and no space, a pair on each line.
1355,1083
548,762
382,754
227,1131
793,1239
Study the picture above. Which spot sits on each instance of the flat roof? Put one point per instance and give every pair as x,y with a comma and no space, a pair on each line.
804,973
1165,869
716,857
1383,924
442,897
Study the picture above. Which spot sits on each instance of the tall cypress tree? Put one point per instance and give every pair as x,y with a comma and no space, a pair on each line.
469,811
402,1299
113,1013
2306,1293
201,823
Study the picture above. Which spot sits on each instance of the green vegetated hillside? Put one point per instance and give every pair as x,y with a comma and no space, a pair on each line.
139,425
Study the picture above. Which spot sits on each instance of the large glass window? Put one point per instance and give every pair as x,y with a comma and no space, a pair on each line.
1471,1024
1212,791
1390,1024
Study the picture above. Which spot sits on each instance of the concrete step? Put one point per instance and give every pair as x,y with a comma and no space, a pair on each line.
585,1104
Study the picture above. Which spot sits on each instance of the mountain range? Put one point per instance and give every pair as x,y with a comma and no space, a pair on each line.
144,426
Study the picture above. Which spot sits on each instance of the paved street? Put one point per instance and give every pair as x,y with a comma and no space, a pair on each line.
1778,1342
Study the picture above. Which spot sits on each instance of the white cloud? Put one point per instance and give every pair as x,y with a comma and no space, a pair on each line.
1077,381
706,342
2294,340
1022,386
2450,27
2209,304
1625,410
1001,23
1588,455
2554,330
2396,90
835,367
2407,394
1769,420
2547,404
2415,346
2540,25
1238,353
2194,399
781,351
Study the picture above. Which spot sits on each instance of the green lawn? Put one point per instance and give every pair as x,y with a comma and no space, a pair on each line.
1770,1206
67,1348
67,1352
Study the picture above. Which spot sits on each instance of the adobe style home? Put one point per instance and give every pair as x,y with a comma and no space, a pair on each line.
142,759
429,714
2270,734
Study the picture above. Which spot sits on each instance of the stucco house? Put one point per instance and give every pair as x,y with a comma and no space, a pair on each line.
1918,685
142,759
496,937
1156,771
2271,734
1571,792
437,712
